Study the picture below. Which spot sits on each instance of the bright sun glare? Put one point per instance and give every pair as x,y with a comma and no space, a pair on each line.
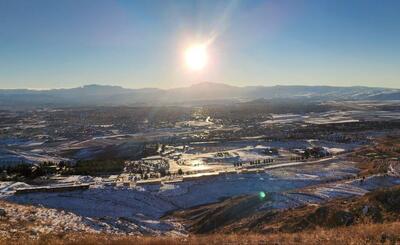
196,57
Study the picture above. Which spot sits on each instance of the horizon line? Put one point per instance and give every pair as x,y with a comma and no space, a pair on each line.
191,85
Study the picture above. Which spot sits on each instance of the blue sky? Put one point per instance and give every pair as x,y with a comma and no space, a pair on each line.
69,43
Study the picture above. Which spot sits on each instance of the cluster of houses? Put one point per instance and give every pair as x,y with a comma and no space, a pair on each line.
150,167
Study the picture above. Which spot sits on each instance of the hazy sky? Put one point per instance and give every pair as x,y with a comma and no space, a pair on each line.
68,43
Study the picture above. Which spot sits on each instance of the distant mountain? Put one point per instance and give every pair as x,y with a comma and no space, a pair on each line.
198,93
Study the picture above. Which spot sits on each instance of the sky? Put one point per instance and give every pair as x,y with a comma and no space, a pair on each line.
68,43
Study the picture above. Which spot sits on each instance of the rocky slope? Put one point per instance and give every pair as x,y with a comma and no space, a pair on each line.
245,215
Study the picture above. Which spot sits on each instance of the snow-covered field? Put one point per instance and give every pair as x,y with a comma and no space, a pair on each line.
10,157
140,208
333,117
354,187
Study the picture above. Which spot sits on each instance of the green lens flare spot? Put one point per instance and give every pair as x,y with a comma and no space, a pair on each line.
262,194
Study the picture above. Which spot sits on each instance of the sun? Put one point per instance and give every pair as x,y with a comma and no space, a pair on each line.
196,57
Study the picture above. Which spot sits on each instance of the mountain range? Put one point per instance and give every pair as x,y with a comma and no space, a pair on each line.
104,95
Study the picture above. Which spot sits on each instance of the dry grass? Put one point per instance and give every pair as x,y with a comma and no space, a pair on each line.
388,233
241,214
375,159
33,221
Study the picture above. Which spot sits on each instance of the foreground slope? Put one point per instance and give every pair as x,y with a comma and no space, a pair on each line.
386,233
243,214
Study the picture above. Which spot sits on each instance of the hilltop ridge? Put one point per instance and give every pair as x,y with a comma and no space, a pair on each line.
106,95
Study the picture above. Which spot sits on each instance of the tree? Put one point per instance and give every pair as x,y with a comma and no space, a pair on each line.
180,172
163,172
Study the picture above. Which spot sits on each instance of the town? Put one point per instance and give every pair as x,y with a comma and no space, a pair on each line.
150,161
